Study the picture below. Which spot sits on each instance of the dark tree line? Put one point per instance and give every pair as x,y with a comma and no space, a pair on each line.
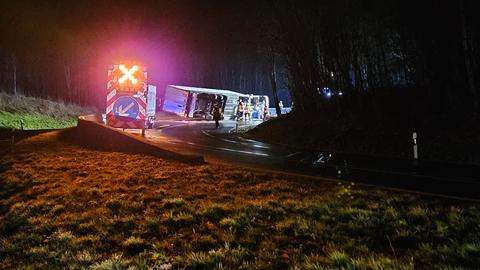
421,55
61,50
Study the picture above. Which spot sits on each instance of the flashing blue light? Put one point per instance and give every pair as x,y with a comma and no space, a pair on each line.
327,92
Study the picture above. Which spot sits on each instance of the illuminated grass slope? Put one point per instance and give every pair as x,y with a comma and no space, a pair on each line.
36,113
111,210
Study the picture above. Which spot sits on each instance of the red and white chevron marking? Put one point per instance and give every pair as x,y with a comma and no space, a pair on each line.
114,92
142,106
111,97
120,122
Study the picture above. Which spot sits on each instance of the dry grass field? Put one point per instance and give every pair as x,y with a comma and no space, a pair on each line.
67,207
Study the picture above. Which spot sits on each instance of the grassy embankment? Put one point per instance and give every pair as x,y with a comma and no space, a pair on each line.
36,113
66,207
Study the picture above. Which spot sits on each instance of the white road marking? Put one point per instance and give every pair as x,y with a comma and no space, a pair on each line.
215,137
174,141
248,140
174,126
260,146
244,152
257,144
220,148
292,154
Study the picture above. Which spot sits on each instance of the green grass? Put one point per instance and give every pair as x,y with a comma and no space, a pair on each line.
18,121
65,207
36,113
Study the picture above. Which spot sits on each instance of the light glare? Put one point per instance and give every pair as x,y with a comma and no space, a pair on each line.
128,74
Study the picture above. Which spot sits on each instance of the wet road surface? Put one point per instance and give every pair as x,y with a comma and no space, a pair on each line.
201,138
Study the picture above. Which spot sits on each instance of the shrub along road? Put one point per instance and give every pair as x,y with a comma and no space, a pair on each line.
64,206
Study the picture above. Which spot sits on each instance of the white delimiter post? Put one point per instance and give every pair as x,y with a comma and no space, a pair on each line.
415,146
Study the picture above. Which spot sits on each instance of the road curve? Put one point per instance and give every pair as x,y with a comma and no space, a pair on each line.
201,138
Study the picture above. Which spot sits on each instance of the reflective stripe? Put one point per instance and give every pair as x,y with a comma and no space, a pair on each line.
110,109
111,94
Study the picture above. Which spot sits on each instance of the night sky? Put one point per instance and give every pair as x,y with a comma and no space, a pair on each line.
368,45
177,40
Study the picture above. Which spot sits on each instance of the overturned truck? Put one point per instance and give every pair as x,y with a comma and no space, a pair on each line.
199,102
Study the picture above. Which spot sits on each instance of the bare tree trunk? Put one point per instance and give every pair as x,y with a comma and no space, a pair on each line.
273,80
468,58
14,66
6,74
68,81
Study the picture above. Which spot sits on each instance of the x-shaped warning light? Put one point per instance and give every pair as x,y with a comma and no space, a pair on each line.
128,74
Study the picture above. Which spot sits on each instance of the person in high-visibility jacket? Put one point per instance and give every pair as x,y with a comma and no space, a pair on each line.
248,112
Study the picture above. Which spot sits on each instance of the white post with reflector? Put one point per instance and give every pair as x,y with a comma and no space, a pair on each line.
415,146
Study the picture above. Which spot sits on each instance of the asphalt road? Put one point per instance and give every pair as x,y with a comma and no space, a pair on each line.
201,138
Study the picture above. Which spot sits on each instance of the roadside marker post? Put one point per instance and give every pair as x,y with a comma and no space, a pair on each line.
415,146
